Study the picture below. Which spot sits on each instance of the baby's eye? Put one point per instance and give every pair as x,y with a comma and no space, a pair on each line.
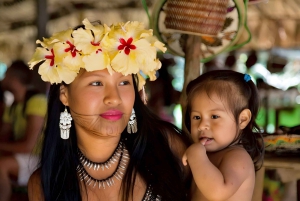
124,83
215,116
196,117
96,84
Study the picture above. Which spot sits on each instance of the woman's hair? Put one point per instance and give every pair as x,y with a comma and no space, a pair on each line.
238,94
150,155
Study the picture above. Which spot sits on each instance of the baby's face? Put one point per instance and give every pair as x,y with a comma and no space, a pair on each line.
212,123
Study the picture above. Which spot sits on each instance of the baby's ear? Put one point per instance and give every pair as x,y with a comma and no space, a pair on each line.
63,95
244,118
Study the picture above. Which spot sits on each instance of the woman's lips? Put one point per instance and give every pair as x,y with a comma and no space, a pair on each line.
112,115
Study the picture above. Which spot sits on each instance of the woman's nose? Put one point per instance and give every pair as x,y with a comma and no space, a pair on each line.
112,96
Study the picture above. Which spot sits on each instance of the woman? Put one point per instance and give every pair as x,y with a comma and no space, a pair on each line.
98,158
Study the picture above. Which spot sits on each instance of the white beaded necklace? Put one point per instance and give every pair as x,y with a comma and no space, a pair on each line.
120,153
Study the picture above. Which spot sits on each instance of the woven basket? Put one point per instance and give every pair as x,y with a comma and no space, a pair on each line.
199,17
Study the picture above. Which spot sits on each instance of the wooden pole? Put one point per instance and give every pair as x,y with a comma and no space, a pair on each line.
42,19
192,51
41,24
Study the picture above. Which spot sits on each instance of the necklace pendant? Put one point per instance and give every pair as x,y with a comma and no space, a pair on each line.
95,184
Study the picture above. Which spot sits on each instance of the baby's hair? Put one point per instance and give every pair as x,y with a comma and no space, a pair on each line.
239,93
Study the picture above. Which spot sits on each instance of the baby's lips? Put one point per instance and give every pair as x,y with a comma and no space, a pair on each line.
203,140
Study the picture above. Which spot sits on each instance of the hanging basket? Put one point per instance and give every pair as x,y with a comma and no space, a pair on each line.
234,34
198,17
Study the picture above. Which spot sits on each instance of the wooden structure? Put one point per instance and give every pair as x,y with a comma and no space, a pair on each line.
275,23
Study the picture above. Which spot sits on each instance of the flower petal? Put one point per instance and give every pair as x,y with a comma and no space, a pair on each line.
97,61
48,73
66,58
39,55
125,64
83,39
66,74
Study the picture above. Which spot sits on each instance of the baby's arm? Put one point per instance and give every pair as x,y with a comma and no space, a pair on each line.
222,182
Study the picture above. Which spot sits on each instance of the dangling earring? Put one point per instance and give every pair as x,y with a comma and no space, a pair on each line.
132,124
65,124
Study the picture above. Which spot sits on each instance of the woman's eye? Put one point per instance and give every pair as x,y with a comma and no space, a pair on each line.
215,116
96,84
124,83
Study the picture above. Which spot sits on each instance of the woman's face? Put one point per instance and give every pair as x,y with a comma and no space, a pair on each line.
99,103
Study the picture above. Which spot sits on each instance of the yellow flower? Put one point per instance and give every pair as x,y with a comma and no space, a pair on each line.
156,43
62,60
88,41
127,48
52,69
132,48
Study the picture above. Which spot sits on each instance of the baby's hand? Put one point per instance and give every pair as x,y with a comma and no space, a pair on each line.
196,147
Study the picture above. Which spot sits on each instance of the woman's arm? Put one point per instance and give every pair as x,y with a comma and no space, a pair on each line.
35,192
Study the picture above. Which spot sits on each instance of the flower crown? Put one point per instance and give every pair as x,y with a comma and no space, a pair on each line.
126,48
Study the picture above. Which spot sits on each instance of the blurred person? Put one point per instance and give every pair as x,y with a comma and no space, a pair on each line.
22,122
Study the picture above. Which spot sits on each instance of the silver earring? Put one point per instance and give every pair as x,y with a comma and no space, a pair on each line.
65,124
132,124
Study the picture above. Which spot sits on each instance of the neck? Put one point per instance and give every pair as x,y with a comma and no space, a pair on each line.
96,148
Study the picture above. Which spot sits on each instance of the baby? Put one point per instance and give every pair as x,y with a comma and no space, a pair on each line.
222,106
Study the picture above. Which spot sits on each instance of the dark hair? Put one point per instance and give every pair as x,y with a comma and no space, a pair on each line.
239,94
150,156
20,69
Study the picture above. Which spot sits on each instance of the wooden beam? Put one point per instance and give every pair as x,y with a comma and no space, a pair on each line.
41,19
192,49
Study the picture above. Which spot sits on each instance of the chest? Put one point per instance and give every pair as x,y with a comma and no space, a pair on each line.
114,192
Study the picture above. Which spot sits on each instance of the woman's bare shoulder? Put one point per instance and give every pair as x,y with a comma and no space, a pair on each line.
35,192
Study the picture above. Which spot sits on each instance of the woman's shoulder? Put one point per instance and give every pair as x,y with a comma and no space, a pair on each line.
35,192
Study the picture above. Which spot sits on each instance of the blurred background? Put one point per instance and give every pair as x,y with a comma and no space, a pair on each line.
271,57
274,46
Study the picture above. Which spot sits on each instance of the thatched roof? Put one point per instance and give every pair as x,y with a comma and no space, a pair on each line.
275,23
